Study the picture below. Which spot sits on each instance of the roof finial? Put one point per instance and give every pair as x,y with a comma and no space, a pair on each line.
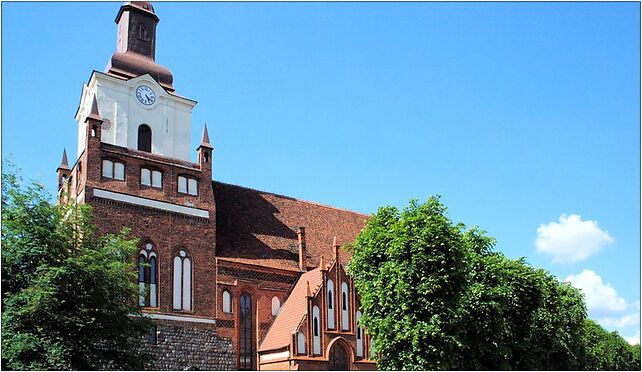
206,136
94,114
321,263
309,292
205,142
64,164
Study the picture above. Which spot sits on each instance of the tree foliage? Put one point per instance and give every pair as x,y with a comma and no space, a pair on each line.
68,296
435,295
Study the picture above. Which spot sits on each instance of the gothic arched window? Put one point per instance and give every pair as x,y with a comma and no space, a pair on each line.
227,301
359,336
316,339
276,305
147,276
144,138
182,281
246,337
330,304
344,307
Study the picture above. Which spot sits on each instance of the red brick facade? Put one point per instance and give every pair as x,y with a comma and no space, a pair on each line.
251,244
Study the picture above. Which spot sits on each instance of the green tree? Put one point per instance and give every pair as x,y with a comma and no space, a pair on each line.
608,350
435,295
409,269
68,296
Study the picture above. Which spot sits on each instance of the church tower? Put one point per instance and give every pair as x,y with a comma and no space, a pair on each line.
134,168
218,269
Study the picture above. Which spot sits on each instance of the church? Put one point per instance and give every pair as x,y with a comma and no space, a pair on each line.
233,278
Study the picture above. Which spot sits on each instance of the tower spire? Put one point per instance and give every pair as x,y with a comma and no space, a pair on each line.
205,142
94,113
63,163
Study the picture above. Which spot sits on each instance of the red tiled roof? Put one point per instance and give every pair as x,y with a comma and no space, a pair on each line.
260,228
292,312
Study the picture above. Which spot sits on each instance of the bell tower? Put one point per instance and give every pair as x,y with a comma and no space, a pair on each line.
139,106
137,29
136,45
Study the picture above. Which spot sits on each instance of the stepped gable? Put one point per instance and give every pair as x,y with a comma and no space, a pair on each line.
293,310
260,228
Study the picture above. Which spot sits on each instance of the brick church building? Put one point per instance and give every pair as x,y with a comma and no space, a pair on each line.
234,278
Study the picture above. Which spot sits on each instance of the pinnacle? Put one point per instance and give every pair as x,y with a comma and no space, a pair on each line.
206,136
94,114
64,164
205,142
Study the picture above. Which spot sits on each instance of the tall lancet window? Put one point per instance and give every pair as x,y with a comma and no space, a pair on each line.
144,138
330,304
316,337
345,321
359,336
147,276
182,281
246,337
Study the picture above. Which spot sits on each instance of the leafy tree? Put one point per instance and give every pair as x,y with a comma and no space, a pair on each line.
409,269
435,295
68,296
497,306
608,350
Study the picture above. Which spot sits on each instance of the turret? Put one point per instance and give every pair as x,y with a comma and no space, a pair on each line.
204,152
94,123
63,170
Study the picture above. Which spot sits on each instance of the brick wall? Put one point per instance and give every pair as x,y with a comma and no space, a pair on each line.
182,346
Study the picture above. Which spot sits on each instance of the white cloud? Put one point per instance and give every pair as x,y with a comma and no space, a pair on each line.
621,322
600,298
635,339
571,239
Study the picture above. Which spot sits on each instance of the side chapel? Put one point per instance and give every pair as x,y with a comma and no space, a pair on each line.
234,278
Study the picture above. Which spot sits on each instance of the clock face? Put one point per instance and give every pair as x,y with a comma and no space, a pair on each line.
145,95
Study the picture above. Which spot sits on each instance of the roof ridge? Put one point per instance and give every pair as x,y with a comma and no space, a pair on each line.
296,199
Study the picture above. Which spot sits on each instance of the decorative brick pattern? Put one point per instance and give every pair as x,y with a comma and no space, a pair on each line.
225,323
259,276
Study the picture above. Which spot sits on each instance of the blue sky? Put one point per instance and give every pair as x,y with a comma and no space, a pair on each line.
525,117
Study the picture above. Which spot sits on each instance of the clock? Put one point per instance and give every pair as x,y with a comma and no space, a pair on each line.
145,95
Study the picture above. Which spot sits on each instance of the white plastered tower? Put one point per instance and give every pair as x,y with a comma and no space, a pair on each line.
132,69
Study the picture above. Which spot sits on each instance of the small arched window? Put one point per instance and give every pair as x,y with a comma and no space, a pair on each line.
115,170
330,304
182,281
276,305
227,301
144,138
187,185
151,178
316,339
147,276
